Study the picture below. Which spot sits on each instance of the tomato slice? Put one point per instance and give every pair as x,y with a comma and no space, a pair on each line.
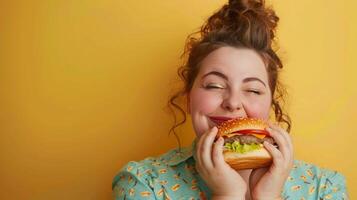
252,131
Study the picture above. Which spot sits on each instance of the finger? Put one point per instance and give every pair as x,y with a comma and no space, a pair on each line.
198,154
284,147
204,151
217,153
280,140
278,158
255,176
284,133
289,152
207,144
198,168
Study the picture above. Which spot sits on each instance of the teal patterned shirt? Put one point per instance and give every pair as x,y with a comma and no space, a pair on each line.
173,176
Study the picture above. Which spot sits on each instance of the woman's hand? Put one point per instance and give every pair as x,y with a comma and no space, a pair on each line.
267,183
224,182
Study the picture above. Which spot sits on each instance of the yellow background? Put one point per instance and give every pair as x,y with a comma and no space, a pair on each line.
83,86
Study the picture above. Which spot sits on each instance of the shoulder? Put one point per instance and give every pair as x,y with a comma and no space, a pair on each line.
303,169
153,177
151,167
315,182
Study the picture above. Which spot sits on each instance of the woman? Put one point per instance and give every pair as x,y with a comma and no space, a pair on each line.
231,72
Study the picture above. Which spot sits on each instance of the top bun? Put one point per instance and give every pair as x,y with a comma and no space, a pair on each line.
238,124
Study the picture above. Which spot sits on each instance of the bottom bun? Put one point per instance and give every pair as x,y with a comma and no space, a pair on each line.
251,160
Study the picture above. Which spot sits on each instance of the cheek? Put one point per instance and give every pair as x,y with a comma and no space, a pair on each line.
204,102
259,110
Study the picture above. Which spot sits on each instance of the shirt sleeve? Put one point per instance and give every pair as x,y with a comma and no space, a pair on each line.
333,186
131,184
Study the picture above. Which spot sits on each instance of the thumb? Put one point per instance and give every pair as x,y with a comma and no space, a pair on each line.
256,175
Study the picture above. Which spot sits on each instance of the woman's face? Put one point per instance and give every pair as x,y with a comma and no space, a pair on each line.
231,83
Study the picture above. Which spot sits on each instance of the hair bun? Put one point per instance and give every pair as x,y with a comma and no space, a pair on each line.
246,4
249,20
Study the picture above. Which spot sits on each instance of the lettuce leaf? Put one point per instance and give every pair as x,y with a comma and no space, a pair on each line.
242,148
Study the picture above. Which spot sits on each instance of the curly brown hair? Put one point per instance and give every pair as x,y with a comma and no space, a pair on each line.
241,24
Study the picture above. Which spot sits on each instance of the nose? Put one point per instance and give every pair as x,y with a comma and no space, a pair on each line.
232,102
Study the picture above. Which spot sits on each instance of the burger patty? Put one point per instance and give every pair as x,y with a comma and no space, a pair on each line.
248,139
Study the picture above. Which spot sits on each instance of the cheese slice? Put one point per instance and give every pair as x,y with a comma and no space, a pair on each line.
259,136
232,135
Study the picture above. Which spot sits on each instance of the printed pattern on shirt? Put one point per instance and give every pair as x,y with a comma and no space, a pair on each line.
173,176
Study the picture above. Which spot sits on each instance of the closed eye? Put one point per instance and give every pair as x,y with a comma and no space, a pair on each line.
214,86
254,92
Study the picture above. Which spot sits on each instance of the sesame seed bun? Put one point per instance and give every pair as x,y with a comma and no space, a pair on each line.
230,126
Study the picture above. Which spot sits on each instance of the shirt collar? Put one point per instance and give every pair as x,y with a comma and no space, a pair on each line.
181,155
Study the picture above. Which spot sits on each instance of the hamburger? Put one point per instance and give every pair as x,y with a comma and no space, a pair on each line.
243,143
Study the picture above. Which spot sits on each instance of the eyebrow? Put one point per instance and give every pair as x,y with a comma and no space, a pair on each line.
217,74
248,79
253,79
